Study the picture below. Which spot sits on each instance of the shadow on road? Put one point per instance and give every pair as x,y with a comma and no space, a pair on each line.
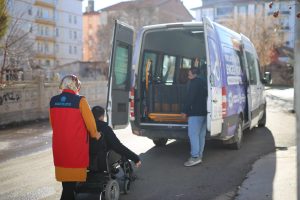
163,175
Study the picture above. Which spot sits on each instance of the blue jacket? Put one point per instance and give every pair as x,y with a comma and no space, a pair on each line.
195,104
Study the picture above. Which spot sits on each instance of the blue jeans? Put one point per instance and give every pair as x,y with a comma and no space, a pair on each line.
197,132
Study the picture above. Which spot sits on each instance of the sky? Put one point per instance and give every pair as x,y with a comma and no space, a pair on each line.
104,3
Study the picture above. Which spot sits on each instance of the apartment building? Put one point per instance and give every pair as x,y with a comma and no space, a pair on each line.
91,26
222,10
54,26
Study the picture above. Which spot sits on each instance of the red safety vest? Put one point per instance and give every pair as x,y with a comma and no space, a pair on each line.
70,137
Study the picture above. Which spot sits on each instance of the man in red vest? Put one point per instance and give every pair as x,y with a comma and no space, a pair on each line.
71,120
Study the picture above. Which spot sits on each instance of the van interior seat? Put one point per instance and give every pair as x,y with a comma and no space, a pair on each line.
167,98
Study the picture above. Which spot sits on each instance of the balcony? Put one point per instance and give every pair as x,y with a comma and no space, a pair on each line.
45,56
45,3
46,21
45,38
285,12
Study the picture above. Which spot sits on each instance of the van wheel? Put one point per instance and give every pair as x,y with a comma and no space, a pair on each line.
159,142
262,122
238,137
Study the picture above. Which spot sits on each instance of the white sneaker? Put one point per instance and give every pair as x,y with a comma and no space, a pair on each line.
192,161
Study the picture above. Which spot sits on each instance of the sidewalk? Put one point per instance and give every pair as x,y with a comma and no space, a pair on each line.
282,93
274,176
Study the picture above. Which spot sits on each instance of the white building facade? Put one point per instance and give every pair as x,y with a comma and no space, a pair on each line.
55,27
222,10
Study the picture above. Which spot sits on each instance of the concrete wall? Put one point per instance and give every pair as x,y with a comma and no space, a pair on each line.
30,100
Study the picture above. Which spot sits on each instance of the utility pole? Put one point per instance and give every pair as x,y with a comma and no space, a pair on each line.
297,89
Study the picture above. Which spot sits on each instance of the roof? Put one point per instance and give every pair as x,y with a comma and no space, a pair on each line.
91,13
146,4
137,4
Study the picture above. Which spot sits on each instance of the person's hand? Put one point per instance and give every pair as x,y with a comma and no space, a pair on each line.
184,116
138,164
98,136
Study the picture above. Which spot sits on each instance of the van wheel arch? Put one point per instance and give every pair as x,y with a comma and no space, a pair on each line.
262,122
235,142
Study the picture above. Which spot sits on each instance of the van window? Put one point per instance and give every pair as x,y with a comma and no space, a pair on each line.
153,58
186,63
168,70
121,66
252,65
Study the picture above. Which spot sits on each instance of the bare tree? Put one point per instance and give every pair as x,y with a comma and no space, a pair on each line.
135,16
262,31
16,47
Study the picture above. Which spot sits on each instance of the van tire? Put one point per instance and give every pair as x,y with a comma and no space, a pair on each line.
238,137
262,122
159,142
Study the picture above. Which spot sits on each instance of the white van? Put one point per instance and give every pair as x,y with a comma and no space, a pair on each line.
150,86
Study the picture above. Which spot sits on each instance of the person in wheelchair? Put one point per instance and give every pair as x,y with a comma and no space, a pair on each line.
108,142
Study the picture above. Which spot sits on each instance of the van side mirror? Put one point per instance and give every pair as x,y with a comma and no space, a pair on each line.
267,79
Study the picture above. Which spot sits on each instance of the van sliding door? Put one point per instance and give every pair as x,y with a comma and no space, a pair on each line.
119,76
214,77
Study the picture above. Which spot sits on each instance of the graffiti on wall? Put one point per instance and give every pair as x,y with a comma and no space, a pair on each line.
9,97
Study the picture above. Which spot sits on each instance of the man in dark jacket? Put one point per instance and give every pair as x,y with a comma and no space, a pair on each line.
196,111
109,139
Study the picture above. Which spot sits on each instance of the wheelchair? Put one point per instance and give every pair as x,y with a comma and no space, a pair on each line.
109,179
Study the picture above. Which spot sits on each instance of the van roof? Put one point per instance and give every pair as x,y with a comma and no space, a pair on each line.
172,25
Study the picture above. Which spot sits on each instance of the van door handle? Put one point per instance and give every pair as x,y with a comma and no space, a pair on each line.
215,101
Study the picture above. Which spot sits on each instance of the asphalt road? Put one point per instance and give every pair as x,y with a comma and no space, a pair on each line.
27,172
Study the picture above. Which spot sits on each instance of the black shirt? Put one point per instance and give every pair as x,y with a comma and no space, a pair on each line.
112,142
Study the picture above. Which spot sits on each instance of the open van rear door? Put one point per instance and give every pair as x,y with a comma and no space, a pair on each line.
119,76
214,79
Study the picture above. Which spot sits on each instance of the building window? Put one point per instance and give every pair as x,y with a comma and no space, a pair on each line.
30,11
70,19
70,49
47,62
46,31
57,48
57,32
38,46
46,47
75,50
42,30
224,11
30,28
75,20
75,35
70,34
243,10
45,14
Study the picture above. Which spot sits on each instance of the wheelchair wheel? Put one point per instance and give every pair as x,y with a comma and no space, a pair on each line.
112,190
127,168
